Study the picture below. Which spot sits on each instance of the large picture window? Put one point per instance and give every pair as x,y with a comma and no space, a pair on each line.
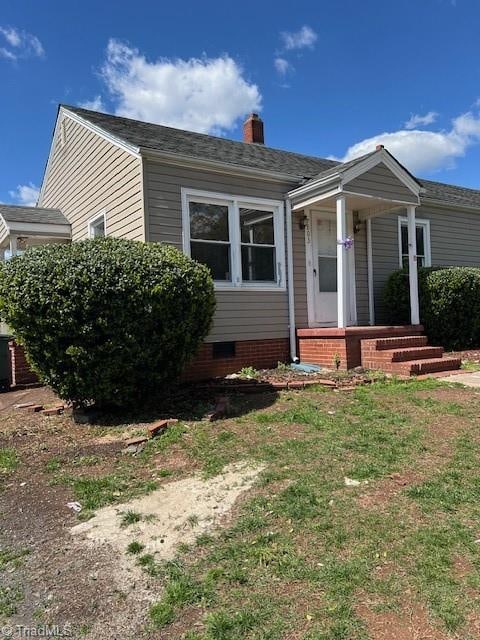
239,239
423,242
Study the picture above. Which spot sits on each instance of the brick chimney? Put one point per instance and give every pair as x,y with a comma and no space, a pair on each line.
253,129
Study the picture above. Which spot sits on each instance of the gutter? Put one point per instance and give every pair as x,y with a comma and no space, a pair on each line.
291,294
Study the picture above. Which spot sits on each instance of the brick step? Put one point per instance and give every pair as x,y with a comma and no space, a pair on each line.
430,365
416,353
401,342
379,359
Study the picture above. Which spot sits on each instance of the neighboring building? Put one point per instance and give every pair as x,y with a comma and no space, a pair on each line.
299,247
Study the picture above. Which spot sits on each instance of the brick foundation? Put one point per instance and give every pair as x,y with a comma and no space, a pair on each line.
21,374
260,354
322,345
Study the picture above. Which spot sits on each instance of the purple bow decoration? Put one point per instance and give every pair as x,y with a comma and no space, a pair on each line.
347,243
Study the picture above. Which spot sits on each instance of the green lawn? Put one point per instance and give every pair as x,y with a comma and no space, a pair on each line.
363,525
305,554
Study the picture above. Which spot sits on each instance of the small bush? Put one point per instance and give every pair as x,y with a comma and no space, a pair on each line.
449,304
107,321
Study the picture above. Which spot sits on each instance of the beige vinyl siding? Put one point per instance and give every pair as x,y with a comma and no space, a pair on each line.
242,314
89,175
380,182
361,274
454,241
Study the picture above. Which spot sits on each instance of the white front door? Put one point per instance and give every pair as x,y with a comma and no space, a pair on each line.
324,263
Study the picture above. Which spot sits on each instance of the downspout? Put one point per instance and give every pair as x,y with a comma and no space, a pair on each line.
371,299
291,294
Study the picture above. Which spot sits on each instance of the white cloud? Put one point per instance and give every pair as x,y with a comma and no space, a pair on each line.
417,120
207,95
22,44
425,151
282,66
11,36
95,104
26,194
5,53
301,39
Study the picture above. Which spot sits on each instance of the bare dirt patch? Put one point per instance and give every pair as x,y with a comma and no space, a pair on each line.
408,624
176,513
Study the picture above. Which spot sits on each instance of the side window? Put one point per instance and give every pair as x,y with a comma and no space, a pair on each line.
97,226
423,242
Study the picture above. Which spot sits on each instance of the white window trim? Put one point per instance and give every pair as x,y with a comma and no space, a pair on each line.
425,225
234,202
94,220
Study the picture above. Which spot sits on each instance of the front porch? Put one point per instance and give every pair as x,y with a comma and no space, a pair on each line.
335,209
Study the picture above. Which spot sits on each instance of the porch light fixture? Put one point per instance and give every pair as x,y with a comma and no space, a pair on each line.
357,225
302,223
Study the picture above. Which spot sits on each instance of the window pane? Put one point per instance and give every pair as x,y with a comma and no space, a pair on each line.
258,264
208,221
404,230
215,256
256,227
98,228
420,241
327,274
327,237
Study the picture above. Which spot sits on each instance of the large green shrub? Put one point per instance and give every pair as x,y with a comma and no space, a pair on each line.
449,304
107,321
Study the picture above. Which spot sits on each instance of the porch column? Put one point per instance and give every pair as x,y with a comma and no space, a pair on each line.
412,266
342,264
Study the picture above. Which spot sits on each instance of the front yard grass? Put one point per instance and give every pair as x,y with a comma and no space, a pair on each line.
365,520
307,550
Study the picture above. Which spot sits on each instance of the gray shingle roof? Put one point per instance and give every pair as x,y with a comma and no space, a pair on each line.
450,194
16,213
197,145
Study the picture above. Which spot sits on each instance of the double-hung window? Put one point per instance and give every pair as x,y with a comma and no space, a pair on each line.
97,226
422,228
239,239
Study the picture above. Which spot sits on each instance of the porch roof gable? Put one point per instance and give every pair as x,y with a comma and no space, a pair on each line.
345,177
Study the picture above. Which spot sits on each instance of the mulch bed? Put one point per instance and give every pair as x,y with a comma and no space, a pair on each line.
276,380
470,355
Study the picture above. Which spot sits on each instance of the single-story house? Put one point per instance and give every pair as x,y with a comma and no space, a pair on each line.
299,247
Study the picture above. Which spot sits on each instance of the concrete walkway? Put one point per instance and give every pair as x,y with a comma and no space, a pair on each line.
469,378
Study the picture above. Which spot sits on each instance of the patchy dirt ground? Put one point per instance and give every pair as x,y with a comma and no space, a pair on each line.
295,554
64,580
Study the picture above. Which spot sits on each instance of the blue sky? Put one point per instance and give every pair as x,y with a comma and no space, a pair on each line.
329,78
